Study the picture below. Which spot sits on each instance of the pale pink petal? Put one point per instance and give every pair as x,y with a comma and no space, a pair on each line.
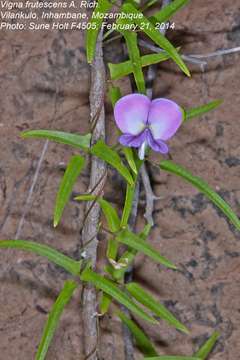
164,118
131,113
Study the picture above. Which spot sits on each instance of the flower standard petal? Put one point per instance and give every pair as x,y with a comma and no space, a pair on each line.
164,118
131,113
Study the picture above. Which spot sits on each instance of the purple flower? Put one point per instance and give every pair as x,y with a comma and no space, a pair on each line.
147,123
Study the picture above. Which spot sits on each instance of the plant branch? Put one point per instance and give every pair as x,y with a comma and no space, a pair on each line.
193,58
98,169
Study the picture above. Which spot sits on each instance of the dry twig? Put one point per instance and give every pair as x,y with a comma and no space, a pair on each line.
193,58
150,196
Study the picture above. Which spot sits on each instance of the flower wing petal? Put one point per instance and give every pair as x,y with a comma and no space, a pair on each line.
164,118
131,140
157,145
131,113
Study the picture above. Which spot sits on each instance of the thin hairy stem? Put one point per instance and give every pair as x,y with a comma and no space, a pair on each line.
97,180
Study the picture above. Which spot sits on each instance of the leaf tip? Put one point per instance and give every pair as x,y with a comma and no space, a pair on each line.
187,72
172,266
23,134
89,58
184,329
219,102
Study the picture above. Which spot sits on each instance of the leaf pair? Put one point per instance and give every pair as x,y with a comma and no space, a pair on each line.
77,162
149,29
110,288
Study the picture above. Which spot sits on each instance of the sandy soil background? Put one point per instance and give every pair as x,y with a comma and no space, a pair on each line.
44,83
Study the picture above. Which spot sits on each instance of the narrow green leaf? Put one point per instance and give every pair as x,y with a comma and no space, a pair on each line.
110,214
158,309
86,197
127,205
149,29
172,358
109,270
105,302
108,210
103,6
114,94
54,318
125,68
202,186
71,174
138,163
77,141
142,340
207,347
148,4
168,11
130,239
128,152
110,288
51,254
134,56
145,232
104,152
112,249
200,110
